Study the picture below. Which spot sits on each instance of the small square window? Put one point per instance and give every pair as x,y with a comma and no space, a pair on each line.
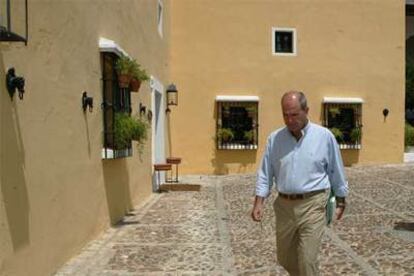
284,41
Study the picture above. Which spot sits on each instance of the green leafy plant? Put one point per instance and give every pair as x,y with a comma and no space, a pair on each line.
128,128
249,135
409,135
225,134
355,134
123,65
137,72
334,111
339,136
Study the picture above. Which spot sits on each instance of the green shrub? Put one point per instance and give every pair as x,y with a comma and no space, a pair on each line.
339,136
249,135
128,128
409,135
225,134
355,135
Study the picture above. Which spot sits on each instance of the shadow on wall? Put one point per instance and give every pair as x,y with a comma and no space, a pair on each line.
350,157
118,193
12,181
236,161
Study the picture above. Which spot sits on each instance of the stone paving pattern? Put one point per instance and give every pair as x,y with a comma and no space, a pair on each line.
210,232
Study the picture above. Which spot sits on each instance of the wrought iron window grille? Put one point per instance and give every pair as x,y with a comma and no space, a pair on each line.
345,122
115,100
237,126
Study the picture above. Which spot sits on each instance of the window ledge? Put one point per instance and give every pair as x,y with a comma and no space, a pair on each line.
343,100
236,147
350,146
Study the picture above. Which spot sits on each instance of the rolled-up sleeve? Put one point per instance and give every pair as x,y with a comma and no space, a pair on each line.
336,171
265,173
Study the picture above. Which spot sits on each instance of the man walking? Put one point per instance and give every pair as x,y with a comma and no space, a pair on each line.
304,161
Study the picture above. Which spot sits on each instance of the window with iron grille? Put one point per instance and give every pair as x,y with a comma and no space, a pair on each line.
115,101
237,125
344,121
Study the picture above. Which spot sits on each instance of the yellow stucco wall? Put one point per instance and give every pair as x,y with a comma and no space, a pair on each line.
348,49
56,193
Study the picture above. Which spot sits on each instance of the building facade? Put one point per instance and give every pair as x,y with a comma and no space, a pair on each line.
347,57
63,177
60,183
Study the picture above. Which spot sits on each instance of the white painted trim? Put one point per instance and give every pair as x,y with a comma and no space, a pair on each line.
342,100
230,98
156,87
293,30
107,45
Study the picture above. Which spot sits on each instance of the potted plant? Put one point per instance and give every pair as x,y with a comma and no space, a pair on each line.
123,68
339,136
225,134
249,136
355,135
138,76
128,128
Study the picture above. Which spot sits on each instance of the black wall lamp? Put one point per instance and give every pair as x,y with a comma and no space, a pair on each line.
7,30
14,82
87,102
172,96
385,112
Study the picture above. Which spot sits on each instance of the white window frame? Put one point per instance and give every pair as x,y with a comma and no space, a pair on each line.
294,40
160,16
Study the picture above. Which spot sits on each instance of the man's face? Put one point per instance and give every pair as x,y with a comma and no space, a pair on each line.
294,116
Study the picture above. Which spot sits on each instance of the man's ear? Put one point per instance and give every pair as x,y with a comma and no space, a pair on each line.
306,110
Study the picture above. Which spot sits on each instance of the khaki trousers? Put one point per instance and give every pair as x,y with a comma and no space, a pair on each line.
299,230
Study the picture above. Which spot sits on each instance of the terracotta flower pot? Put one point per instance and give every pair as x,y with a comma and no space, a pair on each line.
135,84
124,80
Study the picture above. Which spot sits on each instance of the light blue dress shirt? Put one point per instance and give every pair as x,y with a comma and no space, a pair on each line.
312,163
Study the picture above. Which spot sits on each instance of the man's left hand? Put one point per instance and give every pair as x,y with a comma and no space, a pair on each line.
339,212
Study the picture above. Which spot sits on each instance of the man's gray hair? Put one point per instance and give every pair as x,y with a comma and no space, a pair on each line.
301,98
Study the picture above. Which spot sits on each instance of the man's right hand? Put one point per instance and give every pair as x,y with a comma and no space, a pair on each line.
257,212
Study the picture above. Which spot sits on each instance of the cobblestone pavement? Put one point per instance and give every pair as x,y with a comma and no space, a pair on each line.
210,232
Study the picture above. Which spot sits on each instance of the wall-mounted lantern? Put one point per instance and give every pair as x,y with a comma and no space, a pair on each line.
385,112
87,102
14,82
14,21
172,96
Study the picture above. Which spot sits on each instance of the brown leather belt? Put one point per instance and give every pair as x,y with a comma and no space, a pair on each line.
301,196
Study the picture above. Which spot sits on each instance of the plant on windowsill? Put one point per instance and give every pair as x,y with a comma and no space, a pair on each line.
355,135
138,76
339,136
123,69
249,136
334,111
128,128
225,135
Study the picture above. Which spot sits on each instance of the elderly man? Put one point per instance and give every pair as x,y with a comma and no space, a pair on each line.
304,161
